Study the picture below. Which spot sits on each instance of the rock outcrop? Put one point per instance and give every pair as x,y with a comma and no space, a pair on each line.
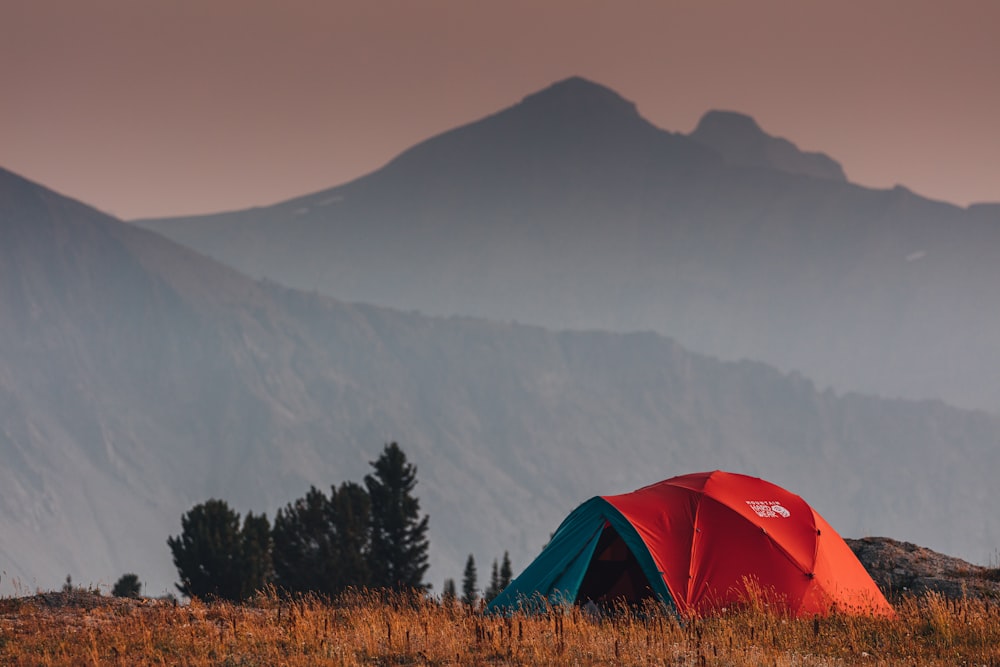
901,568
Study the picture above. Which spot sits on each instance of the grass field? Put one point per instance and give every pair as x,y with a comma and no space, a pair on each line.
364,629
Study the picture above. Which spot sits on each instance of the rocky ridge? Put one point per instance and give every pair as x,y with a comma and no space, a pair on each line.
902,568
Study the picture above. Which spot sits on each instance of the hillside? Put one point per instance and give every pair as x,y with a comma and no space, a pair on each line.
571,211
138,378
905,569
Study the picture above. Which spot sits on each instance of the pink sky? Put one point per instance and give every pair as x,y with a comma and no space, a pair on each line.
168,107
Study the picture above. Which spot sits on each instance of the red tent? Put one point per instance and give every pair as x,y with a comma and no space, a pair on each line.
701,542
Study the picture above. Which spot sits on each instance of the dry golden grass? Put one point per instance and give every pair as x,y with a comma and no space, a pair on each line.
362,629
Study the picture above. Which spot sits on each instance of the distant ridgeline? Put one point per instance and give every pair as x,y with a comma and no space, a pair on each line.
571,211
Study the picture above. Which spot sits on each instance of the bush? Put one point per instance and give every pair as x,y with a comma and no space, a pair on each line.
127,586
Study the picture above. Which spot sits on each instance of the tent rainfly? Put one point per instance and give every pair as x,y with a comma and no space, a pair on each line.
698,543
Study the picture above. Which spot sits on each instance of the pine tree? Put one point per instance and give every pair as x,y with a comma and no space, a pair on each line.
321,544
350,515
493,589
256,569
208,552
303,552
127,586
506,573
448,594
398,534
469,584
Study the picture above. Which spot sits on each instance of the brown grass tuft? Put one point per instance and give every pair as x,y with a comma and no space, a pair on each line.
365,628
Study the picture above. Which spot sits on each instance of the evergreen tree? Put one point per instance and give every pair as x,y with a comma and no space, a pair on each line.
470,586
506,573
350,516
448,595
398,534
493,589
321,544
256,568
303,550
127,586
208,553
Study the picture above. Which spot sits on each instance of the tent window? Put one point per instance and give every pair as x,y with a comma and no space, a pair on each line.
614,575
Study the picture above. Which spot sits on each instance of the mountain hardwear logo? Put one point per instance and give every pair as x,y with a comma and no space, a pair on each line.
769,509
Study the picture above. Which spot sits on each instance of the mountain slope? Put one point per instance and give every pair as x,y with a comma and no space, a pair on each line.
569,210
741,142
138,378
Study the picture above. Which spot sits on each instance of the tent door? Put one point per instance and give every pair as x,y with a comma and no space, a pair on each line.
614,576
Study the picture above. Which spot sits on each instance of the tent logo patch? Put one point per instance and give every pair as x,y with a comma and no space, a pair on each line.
769,509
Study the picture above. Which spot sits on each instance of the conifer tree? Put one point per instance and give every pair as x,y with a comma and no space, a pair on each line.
470,586
398,533
493,589
212,554
127,586
448,594
506,573
350,515
321,544
255,555
303,550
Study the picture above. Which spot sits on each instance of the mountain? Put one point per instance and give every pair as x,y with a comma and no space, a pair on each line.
741,142
570,211
138,378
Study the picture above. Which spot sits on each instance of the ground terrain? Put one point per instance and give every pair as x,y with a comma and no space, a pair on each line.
76,626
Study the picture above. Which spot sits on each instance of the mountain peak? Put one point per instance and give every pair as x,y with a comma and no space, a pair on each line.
577,95
742,142
732,125
572,127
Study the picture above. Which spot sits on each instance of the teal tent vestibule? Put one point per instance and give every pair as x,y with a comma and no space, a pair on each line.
595,555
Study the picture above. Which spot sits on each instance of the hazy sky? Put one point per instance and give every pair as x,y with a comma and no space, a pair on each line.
161,107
